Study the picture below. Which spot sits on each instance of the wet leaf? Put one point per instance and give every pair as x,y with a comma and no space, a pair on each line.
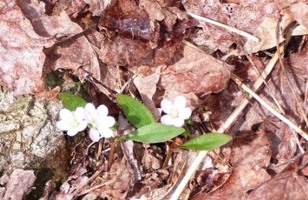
135,111
71,101
207,142
154,133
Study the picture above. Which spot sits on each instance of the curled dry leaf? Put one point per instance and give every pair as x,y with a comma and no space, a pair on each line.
266,32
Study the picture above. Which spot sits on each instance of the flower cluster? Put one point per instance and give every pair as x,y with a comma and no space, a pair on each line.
100,124
97,120
176,113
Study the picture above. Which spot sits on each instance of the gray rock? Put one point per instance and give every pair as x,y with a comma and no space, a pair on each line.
28,135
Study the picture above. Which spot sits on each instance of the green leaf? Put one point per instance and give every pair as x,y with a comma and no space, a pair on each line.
153,133
71,101
135,111
208,141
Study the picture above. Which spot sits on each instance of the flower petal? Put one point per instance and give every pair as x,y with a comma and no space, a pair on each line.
79,114
166,105
82,125
185,113
66,115
94,135
106,133
109,121
178,122
90,111
180,102
102,111
166,119
63,125
72,132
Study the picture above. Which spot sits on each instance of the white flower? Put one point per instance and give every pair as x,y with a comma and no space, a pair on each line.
72,122
99,122
176,113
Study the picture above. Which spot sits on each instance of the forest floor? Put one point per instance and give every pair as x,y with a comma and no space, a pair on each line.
241,66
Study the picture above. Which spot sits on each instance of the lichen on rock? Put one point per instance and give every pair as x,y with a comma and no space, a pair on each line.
28,136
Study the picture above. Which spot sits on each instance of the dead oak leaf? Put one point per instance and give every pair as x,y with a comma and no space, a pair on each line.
197,72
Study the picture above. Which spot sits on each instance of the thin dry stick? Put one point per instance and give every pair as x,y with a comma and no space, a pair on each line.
229,28
269,108
202,154
265,83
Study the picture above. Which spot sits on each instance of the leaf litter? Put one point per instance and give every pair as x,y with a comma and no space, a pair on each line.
148,48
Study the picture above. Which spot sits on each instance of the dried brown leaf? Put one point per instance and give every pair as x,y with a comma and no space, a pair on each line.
153,9
19,184
259,18
110,185
68,189
128,19
197,73
122,51
266,31
250,155
76,7
97,7
300,12
21,54
146,86
25,32
288,185
78,56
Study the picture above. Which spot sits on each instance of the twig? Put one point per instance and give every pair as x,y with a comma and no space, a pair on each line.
232,118
268,107
229,28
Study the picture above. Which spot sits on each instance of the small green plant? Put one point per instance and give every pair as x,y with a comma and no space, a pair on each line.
71,101
78,115
149,131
